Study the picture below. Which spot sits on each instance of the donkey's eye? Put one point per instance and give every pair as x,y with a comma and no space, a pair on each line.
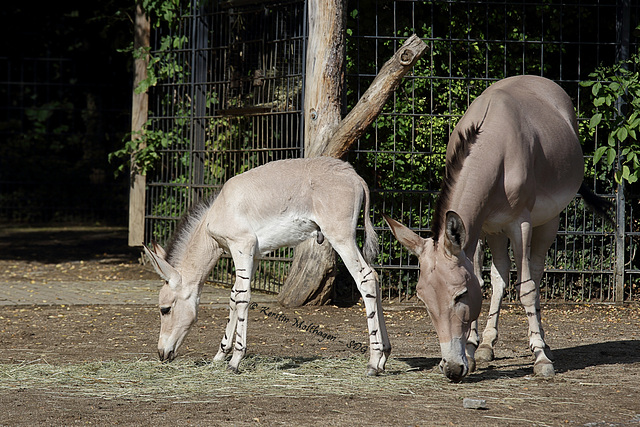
165,310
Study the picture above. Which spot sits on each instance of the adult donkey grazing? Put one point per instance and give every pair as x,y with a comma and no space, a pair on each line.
278,204
513,163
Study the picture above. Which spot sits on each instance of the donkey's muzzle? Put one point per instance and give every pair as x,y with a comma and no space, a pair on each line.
166,357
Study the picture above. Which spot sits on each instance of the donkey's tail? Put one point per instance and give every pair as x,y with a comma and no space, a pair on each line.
600,205
370,248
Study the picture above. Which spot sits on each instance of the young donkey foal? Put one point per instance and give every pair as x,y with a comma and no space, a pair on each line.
513,164
278,204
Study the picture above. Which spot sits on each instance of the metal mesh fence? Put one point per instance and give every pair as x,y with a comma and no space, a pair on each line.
473,44
234,104
238,105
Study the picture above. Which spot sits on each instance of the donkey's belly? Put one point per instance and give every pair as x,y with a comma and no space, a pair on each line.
549,206
546,207
285,232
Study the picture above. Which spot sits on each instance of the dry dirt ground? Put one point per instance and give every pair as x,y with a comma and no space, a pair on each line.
596,347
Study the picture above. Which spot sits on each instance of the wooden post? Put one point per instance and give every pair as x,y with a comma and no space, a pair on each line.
310,280
139,114
324,74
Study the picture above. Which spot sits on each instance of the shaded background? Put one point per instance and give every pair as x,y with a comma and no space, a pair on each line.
65,100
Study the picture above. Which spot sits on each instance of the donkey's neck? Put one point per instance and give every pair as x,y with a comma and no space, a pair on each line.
196,254
469,180
471,196
470,211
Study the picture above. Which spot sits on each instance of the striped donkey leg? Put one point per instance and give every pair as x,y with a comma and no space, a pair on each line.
500,267
474,340
226,345
367,281
244,263
530,298
542,238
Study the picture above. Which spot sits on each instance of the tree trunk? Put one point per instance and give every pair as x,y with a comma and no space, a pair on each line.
139,114
311,277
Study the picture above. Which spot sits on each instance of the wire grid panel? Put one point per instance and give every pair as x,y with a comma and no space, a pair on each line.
632,249
243,108
473,44
234,104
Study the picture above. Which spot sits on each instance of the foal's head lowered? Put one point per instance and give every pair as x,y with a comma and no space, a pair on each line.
183,266
178,305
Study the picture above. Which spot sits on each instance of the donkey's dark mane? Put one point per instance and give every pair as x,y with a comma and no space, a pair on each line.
452,169
186,227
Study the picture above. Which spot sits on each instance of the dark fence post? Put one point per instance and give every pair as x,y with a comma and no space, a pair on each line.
623,31
199,52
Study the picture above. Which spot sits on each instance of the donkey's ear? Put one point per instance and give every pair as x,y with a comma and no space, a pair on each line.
455,234
159,250
408,238
163,268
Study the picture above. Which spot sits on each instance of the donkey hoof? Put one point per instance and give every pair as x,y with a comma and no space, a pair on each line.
220,356
543,370
472,364
484,353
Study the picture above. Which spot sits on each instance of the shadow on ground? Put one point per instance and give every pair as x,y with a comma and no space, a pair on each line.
566,360
420,363
603,353
62,244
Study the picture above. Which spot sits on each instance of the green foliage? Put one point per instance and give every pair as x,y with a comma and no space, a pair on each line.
402,156
615,92
163,62
142,158
232,134
141,150
162,12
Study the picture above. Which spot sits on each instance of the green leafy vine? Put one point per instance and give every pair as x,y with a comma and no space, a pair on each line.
615,92
141,150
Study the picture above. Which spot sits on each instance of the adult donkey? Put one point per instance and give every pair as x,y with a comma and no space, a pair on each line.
513,163
278,204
